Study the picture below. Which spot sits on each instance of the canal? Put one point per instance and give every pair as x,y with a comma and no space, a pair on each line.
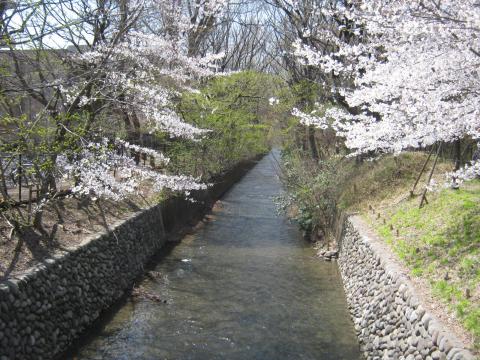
244,286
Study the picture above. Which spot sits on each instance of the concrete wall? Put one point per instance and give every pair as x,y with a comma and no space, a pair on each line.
42,312
389,319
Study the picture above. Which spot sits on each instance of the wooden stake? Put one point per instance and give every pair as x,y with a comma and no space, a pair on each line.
421,171
467,293
424,195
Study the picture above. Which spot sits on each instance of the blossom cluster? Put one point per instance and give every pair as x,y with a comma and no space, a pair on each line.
468,172
141,70
273,101
99,171
140,75
139,87
87,63
143,150
310,119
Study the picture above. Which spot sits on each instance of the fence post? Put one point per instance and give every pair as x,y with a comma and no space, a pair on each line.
19,178
30,191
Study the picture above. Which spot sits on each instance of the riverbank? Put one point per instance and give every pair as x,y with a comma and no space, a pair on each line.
440,245
393,317
47,307
437,244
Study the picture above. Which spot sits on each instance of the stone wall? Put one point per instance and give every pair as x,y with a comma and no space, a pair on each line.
43,311
389,319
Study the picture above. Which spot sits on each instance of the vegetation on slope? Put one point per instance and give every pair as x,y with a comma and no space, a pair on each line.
439,242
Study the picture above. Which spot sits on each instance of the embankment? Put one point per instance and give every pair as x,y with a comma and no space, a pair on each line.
390,320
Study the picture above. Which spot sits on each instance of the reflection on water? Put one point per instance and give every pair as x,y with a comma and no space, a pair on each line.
245,286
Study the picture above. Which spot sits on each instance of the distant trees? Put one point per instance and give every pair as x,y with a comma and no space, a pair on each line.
304,24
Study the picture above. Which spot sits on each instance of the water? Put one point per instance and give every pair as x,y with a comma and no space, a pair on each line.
245,286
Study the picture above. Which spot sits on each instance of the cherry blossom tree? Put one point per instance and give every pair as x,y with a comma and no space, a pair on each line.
135,77
413,70
82,62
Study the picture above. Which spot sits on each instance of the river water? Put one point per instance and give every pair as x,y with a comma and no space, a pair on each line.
244,286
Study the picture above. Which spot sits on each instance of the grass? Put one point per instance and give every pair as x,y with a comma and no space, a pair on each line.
441,243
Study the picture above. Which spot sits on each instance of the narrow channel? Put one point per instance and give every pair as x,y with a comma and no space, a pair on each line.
244,286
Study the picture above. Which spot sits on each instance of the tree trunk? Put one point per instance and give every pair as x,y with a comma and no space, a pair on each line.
458,154
312,142
132,126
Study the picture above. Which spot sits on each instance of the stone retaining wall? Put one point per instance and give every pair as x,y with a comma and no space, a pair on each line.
389,319
43,311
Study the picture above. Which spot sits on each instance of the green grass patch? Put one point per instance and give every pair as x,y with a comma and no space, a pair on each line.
441,242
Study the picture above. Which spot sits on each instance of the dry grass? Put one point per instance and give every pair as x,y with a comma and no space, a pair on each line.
67,222
387,179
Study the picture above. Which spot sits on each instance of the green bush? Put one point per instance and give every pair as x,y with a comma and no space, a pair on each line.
237,112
